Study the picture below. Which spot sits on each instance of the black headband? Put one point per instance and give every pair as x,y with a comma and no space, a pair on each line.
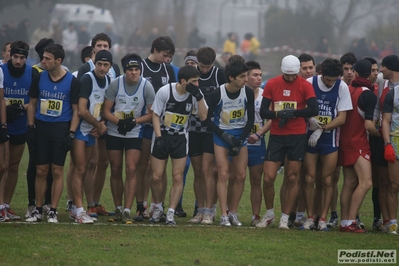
18,50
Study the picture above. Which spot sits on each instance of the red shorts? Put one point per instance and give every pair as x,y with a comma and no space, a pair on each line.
348,158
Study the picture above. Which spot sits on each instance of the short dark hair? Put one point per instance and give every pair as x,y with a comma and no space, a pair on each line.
348,58
191,53
57,50
306,58
86,52
20,44
101,37
235,67
331,67
206,55
5,46
252,65
371,60
187,72
163,43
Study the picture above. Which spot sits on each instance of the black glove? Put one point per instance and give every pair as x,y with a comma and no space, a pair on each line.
4,134
234,151
287,113
231,140
158,143
194,91
13,111
68,141
283,122
31,137
126,125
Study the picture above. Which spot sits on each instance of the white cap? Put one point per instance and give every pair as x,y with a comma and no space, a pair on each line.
290,65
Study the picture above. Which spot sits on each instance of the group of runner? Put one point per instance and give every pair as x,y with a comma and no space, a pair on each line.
218,118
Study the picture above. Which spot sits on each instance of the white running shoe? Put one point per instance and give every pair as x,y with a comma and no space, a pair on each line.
170,218
322,226
308,225
29,211
266,220
284,224
35,217
156,216
224,221
233,218
197,219
393,229
52,217
83,218
207,219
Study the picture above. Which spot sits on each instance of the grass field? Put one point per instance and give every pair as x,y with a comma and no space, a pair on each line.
143,244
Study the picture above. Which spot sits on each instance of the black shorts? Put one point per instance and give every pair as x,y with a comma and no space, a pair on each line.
377,148
50,137
291,145
199,143
120,144
18,139
174,145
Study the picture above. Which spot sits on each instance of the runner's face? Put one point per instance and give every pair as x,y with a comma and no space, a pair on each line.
101,45
204,68
329,81
193,81
254,78
191,63
240,80
374,73
307,69
162,56
386,73
349,74
49,63
18,60
102,68
133,75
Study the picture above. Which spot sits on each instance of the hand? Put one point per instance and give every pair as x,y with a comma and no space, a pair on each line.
158,143
68,141
130,124
102,128
31,137
287,113
234,151
389,153
94,132
314,124
312,142
231,140
4,134
252,139
13,111
194,91
126,125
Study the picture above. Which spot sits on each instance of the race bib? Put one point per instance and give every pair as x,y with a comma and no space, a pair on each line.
10,101
281,105
98,107
254,128
51,107
176,121
124,115
234,116
324,119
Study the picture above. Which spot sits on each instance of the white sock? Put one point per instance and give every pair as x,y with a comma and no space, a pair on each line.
78,211
7,206
145,204
126,210
201,210
270,212
73,209
284,216
350,222
152,205
343,223
171,210
2,206
299,216
393,221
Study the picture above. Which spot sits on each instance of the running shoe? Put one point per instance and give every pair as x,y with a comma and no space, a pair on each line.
146,214
322,226
35,217
353,228
255,221
333,222
117,216
12,215
170,218
101,210
52,217
138,217
127,219
92,211
68,206
385,227
308,225
283,224
359,222
207,219
197,219
299,223
224,221
29,211
233,218
393,229
156,216
377,225
3,213
179,212
46,208
72,216
83,218
266,220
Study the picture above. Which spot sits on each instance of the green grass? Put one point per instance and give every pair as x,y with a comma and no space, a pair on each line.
143,244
